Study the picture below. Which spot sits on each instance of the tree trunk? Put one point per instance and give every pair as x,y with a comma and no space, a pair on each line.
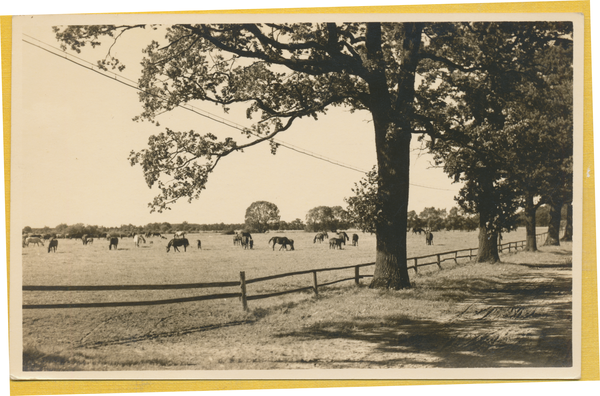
554,224
488,245
391,270
530,223
393,132
488,234
568,237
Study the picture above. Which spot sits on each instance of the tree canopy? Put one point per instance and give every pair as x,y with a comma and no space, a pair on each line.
262,216
283,72
503,127
327,218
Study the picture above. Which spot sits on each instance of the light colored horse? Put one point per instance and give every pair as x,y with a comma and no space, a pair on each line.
179,234
137,238
336,243
35,240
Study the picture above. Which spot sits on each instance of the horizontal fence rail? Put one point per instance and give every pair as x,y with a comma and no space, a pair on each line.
131,287
433,259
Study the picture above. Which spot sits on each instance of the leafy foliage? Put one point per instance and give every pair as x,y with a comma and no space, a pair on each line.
494,124
262,216
327,218
363,206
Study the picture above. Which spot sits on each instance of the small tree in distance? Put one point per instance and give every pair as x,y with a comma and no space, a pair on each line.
326,218
362,207
262,216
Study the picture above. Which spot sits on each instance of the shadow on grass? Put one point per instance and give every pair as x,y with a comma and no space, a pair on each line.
256,315
166,334
522,320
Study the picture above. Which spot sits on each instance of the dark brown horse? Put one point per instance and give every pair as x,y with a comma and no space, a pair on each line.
53,245
283,241
343,236
176,242
429,237
114,241
354,239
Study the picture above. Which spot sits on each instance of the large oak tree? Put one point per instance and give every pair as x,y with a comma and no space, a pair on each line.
283,72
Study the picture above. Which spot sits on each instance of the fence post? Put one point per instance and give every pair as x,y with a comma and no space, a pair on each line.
415,265
315,284
439,263
470,254
243,286
456,257
357,275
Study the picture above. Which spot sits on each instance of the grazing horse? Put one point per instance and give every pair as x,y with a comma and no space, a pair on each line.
417,230
176,242
321,236
137,239
429,237
335,243
354,239
114,241
283,241
242,234
247,242
53,245
199,244
179,235
152,234
343,236
237,240
35,240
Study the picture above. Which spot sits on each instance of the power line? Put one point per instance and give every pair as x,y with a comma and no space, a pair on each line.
132,84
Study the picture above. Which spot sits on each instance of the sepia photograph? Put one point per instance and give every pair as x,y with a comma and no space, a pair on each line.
296,196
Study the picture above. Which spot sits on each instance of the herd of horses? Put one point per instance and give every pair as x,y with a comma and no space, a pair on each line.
241,238
336,242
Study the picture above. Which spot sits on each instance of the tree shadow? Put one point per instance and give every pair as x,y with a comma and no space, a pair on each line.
518,321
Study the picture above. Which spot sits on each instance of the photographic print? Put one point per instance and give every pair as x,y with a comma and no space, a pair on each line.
305,196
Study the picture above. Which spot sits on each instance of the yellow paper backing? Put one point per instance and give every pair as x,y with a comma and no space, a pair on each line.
590,364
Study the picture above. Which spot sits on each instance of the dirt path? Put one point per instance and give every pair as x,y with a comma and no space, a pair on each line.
520,317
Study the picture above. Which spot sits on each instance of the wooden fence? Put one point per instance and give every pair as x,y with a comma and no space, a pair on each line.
438,259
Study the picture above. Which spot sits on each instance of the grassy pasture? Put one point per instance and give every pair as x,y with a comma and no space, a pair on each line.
144,337
218,260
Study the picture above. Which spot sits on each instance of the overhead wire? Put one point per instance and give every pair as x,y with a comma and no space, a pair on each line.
132,84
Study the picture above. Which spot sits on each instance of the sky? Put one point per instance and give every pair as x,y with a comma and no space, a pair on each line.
75,133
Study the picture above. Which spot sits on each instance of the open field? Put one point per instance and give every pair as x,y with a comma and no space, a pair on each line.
449,319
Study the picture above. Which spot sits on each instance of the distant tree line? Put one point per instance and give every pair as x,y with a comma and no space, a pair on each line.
320,218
